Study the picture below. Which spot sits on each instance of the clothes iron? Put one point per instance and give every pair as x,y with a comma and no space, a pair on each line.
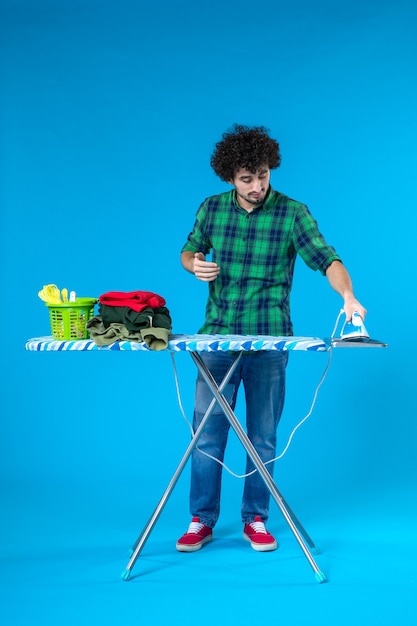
354,330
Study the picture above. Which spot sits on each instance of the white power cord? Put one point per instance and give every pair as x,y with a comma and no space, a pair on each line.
290,438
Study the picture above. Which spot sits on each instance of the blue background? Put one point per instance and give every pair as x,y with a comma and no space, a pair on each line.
109,114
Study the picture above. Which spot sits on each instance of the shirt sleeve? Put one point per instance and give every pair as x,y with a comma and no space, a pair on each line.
310,243
198,239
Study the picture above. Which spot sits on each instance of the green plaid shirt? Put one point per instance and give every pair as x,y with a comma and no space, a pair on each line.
256,253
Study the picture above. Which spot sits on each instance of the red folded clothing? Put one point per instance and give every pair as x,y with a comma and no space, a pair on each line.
136,300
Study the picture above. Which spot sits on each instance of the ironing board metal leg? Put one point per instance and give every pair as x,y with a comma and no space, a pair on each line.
313,547
257,461
141,540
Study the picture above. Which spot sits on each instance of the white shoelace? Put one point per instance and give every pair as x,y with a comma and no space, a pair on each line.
258,527
194,528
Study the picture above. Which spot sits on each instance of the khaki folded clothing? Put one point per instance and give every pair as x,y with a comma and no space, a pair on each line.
155,338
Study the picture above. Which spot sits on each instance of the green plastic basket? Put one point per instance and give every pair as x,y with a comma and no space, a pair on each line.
69,319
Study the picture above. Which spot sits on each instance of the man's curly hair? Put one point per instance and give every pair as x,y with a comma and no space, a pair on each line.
246,147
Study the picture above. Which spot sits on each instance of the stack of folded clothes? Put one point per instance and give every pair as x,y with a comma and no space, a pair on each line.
131,316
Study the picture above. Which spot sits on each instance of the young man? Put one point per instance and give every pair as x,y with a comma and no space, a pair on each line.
254,234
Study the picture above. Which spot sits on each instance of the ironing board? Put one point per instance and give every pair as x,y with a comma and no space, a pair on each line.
195,344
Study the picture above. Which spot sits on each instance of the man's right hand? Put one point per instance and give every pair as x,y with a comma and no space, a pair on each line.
204,270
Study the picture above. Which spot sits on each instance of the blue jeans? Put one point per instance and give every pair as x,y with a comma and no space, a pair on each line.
263,377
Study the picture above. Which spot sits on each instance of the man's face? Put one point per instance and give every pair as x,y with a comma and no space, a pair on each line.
251,188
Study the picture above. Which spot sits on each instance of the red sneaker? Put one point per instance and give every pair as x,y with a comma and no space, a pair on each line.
260,539
196,536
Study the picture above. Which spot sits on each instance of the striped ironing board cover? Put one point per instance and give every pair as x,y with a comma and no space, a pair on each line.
187,343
